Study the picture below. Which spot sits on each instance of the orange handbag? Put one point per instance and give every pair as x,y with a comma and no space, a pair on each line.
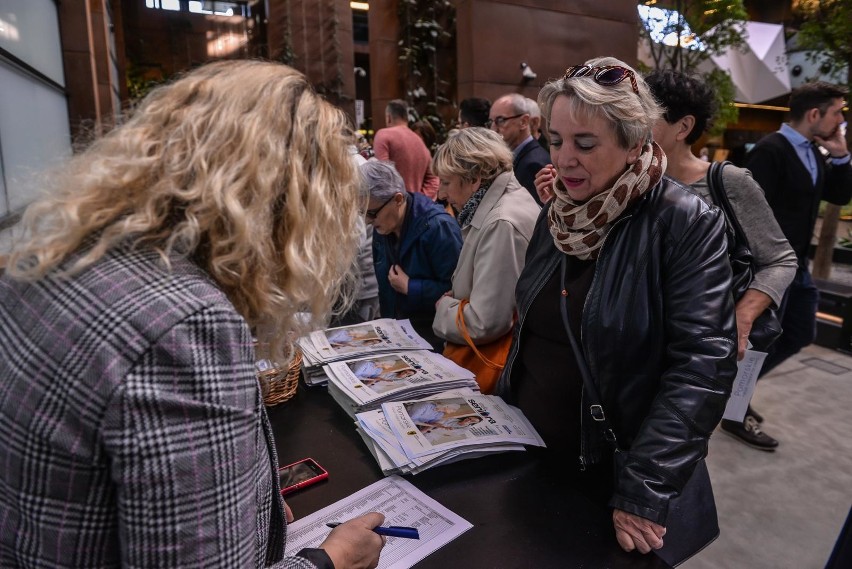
486,361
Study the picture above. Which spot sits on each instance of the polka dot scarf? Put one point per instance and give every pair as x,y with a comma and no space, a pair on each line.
579,229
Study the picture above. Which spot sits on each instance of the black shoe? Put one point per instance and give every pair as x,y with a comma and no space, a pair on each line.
757,416
748,432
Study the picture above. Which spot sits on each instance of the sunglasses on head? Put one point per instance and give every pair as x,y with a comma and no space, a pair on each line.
607,75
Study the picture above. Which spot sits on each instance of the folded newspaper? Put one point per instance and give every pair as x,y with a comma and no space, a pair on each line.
346,342
363,384
407,437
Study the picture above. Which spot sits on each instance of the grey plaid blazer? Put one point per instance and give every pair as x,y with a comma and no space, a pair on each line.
134,433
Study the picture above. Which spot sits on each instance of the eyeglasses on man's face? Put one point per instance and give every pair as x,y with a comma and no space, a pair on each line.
500,121
371,214
607,75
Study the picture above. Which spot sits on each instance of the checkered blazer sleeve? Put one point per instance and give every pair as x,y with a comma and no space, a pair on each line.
189,457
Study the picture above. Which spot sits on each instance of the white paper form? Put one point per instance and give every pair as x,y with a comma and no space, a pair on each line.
403,505
747,371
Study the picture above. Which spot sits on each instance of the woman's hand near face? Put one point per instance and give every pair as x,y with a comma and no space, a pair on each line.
398,279
544,183
354,544
636,532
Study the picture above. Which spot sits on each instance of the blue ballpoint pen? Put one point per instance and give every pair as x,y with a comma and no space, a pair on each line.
392,531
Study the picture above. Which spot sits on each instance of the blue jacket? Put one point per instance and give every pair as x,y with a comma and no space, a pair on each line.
428,252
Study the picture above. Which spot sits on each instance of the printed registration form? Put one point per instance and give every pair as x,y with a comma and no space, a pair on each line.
402,504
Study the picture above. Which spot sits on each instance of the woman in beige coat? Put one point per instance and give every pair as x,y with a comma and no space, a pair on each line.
497,216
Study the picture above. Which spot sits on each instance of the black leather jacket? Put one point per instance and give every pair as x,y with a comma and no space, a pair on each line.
659,335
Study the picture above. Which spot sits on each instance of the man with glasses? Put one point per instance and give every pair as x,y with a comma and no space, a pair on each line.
510,118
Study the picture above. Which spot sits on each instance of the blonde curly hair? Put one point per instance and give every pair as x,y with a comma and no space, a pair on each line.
239,165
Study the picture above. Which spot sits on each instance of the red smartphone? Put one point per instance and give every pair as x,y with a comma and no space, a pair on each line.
300,474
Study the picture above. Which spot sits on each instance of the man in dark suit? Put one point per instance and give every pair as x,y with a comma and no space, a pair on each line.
510,118
795,176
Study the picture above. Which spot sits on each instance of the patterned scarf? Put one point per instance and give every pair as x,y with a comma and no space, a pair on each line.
579,229
466,214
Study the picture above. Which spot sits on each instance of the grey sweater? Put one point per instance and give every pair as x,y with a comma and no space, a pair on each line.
775,259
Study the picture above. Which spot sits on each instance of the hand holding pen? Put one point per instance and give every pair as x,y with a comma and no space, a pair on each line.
389,531
354,545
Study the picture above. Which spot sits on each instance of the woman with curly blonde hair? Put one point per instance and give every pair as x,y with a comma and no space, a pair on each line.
226,203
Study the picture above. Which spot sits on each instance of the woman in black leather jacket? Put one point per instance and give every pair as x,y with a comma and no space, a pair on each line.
642,263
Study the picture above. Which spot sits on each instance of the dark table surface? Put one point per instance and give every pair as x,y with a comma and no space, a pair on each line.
524,513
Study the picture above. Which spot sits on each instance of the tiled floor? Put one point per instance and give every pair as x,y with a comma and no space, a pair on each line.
784,510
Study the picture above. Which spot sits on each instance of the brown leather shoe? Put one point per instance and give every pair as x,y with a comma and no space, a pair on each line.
749,433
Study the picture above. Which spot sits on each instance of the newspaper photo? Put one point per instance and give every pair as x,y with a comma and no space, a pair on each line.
383,444
362,384
392,460
375,336
426,426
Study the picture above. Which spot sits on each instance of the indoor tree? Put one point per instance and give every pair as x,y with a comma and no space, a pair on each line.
427,59
682,34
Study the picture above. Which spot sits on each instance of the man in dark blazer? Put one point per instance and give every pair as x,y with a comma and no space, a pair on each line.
510,118
795,175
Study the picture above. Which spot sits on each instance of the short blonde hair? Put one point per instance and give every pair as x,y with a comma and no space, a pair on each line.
472,153
239,165
631,115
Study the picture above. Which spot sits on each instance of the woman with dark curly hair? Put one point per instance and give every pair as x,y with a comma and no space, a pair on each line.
690,106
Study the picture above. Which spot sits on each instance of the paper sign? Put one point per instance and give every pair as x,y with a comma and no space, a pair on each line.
747,371
402,504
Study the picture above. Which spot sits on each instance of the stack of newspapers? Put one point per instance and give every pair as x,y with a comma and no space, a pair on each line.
407,437
363,384
346,342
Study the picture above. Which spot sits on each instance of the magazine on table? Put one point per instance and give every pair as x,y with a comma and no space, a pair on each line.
398,463
382,443
423,427
411,436
346,342
392,459
365,383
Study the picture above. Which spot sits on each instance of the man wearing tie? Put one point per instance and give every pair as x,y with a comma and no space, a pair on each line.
795,176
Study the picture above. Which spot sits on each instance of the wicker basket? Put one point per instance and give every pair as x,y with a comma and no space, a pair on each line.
277,383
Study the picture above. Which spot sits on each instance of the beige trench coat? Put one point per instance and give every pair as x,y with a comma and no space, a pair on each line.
491,259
